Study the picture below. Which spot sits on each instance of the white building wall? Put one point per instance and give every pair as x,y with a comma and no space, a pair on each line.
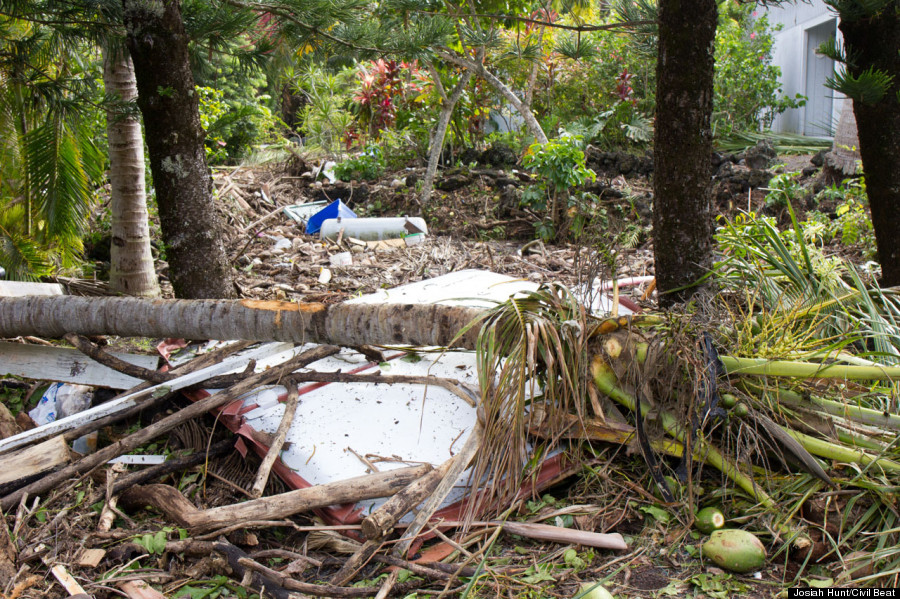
790,53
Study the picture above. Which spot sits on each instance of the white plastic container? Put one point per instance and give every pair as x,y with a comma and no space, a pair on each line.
373,229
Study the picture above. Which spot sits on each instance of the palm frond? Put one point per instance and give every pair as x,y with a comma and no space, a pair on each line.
530,348
60,166
21,257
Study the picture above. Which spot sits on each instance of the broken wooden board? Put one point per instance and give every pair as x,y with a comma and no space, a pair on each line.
43,457
65,365
22,288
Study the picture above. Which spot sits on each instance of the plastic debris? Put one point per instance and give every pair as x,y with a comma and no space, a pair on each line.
373,229
336,209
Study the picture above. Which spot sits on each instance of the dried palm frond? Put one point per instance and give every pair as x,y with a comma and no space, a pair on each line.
530,348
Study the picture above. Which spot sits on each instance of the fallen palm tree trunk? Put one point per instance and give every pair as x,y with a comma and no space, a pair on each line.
342,324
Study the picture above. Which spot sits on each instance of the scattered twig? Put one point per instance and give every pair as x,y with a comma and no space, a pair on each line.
324,590
290,408
176,464
356,562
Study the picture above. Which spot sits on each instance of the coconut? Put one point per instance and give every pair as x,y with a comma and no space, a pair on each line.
593,590
709,519
735,550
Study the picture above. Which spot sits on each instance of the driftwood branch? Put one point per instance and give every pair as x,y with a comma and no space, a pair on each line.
93,351
171,502
545,532
290,408
381,522
149,433
266,586
460,463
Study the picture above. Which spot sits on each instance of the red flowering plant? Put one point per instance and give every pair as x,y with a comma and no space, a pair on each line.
385,89
624,91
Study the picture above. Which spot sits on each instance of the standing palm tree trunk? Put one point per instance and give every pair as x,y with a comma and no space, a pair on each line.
131,263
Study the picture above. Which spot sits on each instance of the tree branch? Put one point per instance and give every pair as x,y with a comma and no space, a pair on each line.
277,11
507,17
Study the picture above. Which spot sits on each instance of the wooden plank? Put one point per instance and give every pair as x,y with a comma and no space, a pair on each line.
21,288
43,457
90,558
230,364
68,365
138,589
65,579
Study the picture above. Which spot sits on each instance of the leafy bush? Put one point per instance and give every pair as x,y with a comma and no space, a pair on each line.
385,97
747,92
232,129
365,167
850,224
561,166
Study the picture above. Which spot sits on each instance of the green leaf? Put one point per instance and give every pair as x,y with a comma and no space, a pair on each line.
657,513
159,543
536,574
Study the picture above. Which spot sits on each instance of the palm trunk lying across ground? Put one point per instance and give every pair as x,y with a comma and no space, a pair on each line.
341,324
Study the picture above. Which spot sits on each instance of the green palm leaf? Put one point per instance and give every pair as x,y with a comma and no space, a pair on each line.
60,168
21,257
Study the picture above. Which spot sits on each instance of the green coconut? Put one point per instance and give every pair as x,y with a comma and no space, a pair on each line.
728,400
736,550
741,410
593,590
709,519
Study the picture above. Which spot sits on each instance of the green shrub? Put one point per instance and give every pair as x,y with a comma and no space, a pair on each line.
365,167
747,93
233,128
561,165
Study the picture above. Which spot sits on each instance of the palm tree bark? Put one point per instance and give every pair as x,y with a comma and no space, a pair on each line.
682,217
341,324
198,265
131,262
